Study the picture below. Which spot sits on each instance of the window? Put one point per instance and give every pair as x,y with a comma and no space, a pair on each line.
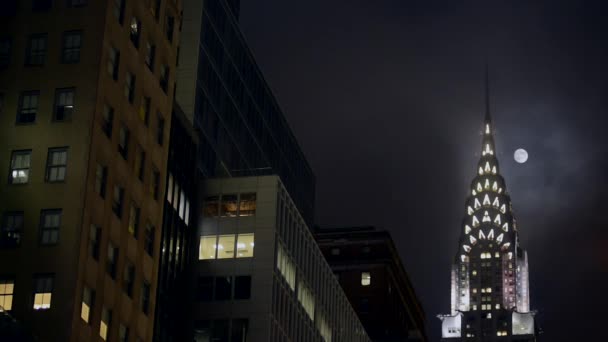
107,120
160,130
5,52
242,287
364,305
123,141
50,221
94,241
164,78
43,291
130,87
113,63
225,247
134,220
20,167
123,333
223,288
204,291
144,299
7,287
155,9
12,226
135,31
229,206
28,107
366,278
41,5
169,27
119,10
77,3
112,260
155,184
207,247
71,46
88,300
56,164
245,245
64,104
247,204
240,328
101,179
106,320
128,279
211,207
150,55
119,193
149,239
335,251
144,110
36,50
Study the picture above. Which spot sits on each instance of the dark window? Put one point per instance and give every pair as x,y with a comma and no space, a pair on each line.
77,3
107,120
71,47
156,9
130,87
117,201
41,5
94,241
123,142
204,290
149,239
112,260
160,130
123,333
212,206
64,104
5,52
50,222
150,55
28,107
128,279
228,206
145,297
140,163
119,10
135,31
164,77
12,228
240,328
19,172
242,287
169,27
221,329
364,305
134,214
113,63
223,288
101,180
144,110
36,50
155,184
56,164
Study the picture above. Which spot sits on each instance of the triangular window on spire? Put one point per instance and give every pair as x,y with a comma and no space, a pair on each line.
500,237
487,150
487,128
503,208
505,227
466,248
491,234
480,171
479,188
486,200
470,210
487,185
486,217
487,168
473,192
506,245
475,221
477,204
495,186
467,229
500,190
497,219
472,239
496,202
494,169
482,236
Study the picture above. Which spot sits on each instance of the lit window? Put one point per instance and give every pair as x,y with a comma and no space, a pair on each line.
474,290
43,291
50,221
71,47
497,255
207,247
106,320
56,164
244,245
225,246
247,204
470,210
366,278
475,273
88,299
7,287
211,207
135,31
12,226
228,206
467,229
497,306
20,167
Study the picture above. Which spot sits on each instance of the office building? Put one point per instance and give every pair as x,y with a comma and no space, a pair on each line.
260,274
369,269
490,287
87,91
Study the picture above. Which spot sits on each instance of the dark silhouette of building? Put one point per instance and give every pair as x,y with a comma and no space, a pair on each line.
490,289
369,269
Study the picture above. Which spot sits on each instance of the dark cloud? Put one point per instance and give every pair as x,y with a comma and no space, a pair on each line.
386,99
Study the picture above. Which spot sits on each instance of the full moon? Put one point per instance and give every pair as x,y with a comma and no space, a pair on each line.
520,155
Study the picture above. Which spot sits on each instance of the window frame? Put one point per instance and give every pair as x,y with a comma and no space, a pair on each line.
64,109
5,56
31,110
50,166
12,168
16,229
71,54
39,54
53,231
48,287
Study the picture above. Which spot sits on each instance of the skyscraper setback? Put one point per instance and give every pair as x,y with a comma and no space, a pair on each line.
490,289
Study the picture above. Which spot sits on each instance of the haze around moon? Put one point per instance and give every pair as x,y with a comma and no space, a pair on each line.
520,155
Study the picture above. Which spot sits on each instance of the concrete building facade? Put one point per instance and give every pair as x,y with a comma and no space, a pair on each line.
260,275
87,91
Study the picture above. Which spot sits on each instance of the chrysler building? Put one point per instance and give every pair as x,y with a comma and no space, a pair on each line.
490,299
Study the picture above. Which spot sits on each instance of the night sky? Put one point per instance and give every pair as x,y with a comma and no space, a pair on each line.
386,100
